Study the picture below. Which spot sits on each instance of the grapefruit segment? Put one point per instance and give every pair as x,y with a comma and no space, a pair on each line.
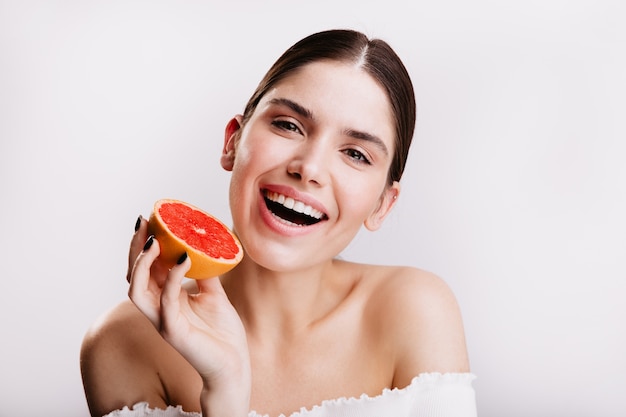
180,227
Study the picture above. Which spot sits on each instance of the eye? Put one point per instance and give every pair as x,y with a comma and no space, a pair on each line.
357,156
286,125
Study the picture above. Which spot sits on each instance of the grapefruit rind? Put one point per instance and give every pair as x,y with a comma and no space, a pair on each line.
172,247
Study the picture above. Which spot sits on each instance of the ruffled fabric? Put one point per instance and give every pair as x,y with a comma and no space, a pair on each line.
142,409
428,395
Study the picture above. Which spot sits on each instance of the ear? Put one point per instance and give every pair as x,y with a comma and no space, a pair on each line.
231,137
387,201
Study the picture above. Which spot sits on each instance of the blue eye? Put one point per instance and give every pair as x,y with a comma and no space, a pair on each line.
357,156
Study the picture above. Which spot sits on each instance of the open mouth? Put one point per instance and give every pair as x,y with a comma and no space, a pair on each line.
292,211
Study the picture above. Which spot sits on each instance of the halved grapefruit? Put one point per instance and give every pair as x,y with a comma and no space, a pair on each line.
180,227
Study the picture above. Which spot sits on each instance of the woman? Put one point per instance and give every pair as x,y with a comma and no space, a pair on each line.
318,152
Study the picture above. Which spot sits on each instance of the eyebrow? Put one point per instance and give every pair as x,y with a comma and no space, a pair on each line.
304,112
369,138
356,134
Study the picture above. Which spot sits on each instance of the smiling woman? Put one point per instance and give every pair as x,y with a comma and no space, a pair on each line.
317,154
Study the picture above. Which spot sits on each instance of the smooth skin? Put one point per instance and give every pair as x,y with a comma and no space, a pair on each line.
291,325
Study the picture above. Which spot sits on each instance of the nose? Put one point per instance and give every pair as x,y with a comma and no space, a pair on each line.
310,163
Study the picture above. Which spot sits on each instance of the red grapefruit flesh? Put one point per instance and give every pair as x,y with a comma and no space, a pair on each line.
180,227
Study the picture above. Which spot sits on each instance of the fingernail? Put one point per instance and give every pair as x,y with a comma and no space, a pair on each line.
182,258
137,223
149,243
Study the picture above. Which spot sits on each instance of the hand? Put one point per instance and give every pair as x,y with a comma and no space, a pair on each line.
203,327
158,271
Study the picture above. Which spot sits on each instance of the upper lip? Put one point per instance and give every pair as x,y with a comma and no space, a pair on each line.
303,203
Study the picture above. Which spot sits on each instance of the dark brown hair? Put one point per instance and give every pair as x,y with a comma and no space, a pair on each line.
375,56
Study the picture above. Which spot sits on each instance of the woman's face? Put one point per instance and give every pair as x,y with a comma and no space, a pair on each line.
310,166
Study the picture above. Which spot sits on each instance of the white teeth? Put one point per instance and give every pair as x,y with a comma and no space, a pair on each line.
297,206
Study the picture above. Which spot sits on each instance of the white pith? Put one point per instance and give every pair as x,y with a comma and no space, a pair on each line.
295,205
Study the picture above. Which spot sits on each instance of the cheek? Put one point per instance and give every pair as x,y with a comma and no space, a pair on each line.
256,150
361,198
243,165
248,166
238,179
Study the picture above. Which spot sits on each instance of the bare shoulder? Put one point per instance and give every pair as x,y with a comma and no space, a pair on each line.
122,361
420,317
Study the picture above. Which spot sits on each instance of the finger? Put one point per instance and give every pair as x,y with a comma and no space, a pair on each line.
210,285
140,274
144,295
170,296
136,243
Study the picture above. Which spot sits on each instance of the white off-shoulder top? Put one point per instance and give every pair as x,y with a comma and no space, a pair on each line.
428,395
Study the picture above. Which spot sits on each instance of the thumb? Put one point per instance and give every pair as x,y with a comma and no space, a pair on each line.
210,285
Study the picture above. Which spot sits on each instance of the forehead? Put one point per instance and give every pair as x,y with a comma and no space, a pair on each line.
341,93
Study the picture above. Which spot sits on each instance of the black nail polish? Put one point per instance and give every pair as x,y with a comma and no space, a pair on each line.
182,258
137,223
149,243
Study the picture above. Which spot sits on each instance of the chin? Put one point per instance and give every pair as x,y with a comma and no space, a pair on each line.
283,258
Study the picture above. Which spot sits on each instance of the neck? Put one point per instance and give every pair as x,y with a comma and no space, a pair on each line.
285,302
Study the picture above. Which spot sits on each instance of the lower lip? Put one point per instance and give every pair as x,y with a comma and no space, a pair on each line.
277,225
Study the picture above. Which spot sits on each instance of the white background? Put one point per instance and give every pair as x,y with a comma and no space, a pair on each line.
515,192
